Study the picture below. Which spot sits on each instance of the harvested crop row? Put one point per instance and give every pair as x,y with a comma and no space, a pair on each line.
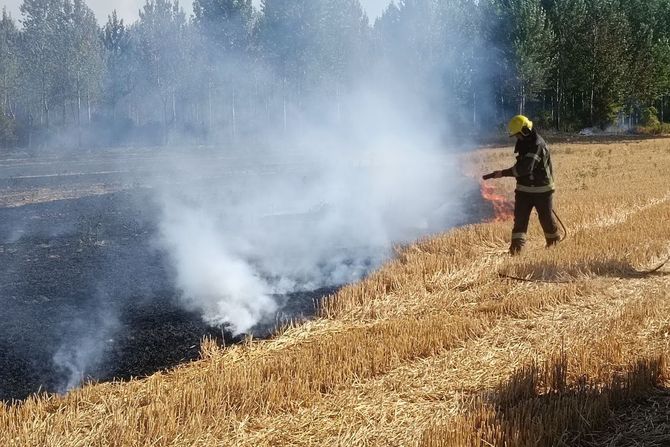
283,382
573,392
621,249
419,280
393,409
271,382
438,314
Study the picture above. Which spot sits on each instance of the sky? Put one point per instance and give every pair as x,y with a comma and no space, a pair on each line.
128,9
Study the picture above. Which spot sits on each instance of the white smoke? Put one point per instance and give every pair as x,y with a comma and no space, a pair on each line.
84,348
322,211
215,281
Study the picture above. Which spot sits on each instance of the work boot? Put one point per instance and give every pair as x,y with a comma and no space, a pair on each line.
516,247
553,241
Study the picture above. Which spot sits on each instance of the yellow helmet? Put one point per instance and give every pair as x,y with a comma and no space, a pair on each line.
517,124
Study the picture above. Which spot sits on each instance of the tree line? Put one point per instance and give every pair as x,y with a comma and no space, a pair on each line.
231,71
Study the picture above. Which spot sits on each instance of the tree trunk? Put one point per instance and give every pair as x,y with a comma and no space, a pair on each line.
174,107
45,111
165,120
338,103
78,113
114,105
45,105
474,108
30,129
233,117
284,107
209,106
5,94
593,94
78,105
559,103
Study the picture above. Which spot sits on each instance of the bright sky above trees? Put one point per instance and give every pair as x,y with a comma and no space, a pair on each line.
128,8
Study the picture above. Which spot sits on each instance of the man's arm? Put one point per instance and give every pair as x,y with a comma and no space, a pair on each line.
525,165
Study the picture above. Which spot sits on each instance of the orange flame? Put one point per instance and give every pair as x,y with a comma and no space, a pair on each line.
502,207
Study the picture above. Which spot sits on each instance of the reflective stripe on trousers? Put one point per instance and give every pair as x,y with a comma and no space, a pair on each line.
523,206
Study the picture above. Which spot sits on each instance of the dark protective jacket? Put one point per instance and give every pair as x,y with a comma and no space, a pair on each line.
533,170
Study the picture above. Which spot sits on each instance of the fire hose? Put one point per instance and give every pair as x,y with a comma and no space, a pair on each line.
547,281
634,272
565,230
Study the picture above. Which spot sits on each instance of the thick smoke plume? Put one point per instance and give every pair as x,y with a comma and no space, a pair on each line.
213,278
271,152
320,211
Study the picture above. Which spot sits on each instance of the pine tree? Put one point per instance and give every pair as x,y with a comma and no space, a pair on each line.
290,35
117,58
462,58
9,41
84,51
408,44
287,37
41,53
225,23
343,39
568,22
607,60
647,75
662,59
161,48
526,42
224,28
343,42
643,17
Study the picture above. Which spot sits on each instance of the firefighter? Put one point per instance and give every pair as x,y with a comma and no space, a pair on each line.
534,183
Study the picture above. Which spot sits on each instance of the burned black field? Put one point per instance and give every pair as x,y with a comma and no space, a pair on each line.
85,263
90,276
87,294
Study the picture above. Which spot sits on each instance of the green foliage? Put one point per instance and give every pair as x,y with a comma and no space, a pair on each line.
660,129
7,131
118,81
650,117
526,39
226,23
614,112
83,50
9,60
160,41
661,69
568,63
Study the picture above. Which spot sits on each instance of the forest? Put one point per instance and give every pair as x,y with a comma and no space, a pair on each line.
232,72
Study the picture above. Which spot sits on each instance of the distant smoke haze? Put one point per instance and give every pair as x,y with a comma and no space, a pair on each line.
325,214
317,160
129,9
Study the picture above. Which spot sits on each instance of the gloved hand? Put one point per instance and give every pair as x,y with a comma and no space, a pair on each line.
494,174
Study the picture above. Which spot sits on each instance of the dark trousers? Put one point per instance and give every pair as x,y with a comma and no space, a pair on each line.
523,205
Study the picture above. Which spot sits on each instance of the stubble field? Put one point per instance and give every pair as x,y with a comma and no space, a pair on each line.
436,348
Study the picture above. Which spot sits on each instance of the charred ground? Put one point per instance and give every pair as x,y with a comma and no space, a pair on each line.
77,267
83,276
